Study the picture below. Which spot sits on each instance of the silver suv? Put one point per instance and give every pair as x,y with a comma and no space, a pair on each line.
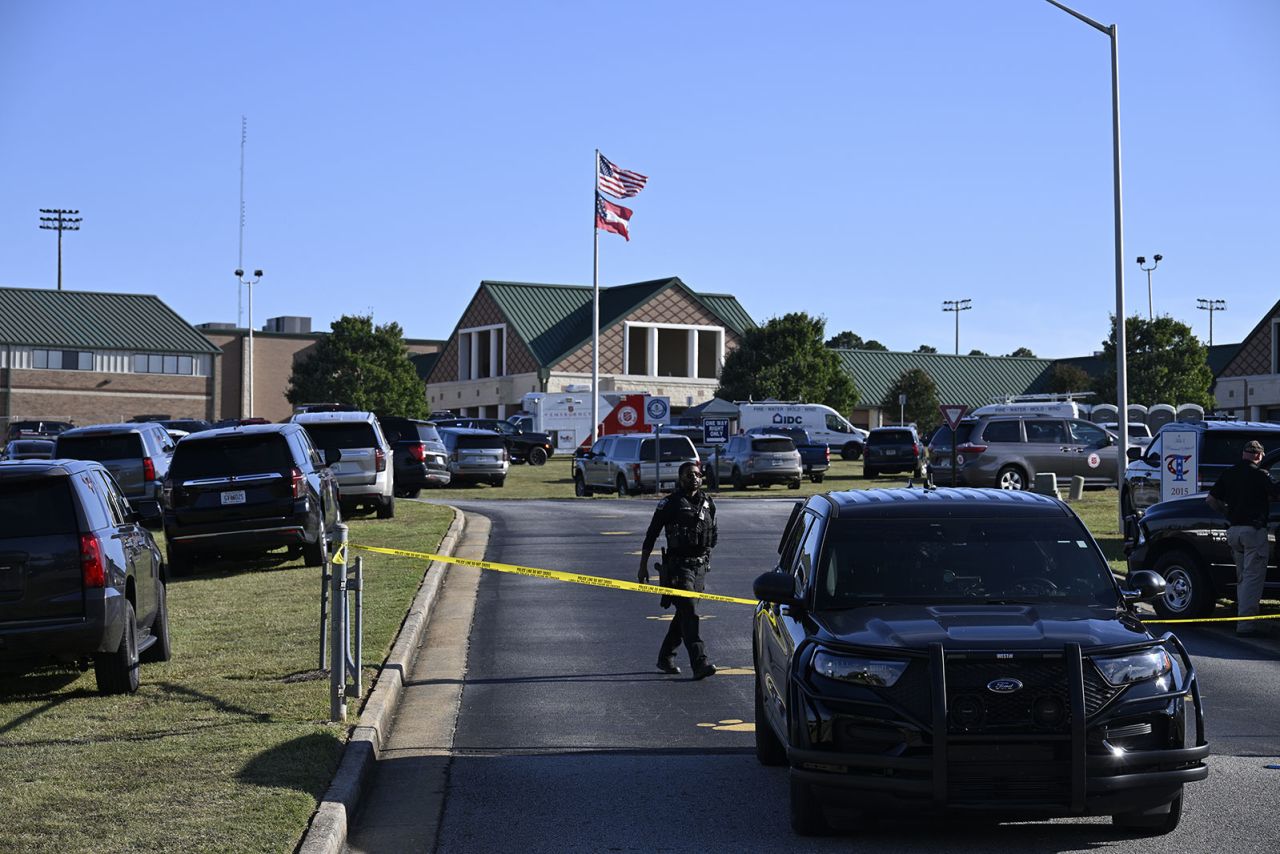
1008,451
137,455
628,464
366,476
476,456
758,460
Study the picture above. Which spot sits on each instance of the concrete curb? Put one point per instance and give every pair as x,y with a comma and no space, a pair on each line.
327,833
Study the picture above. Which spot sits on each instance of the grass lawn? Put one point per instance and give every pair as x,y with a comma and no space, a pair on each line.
225,748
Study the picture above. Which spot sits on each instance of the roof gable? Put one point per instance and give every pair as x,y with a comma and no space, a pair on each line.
971,380
96,321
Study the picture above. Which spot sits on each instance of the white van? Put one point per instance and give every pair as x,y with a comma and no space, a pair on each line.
1064,406
822,423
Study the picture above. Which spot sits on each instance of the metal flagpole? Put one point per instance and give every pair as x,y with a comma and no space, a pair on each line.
595,301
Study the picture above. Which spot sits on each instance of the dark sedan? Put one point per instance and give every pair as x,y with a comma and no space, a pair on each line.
1185,541
967,651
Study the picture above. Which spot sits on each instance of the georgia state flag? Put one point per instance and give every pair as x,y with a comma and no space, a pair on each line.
611,217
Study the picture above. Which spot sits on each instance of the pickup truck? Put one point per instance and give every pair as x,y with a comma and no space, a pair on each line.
815,457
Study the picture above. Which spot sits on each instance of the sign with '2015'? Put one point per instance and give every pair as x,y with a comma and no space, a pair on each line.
1179,463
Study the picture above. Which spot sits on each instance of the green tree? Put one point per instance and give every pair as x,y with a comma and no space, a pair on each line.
362,365
922,400
925,348
873,344
1166,364
978,353
846,341
1067,378
1023,352
785,359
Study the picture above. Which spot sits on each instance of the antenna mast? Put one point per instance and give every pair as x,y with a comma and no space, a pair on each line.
244,132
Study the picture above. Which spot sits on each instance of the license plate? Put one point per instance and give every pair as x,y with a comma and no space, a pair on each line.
890,452
235,496
778,463
667,485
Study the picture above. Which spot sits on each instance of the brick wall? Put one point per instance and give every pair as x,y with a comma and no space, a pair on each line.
1254,356
88,397
483,311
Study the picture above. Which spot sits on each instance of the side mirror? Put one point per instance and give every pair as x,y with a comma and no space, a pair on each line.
777,587
1144,585
1133,454
1153,460
332,455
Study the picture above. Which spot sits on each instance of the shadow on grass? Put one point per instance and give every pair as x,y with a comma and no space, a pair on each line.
306,764
226,567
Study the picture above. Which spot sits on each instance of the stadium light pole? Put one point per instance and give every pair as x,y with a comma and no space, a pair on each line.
1155,262
1122,379
957,305
62,220
1211,305
249,283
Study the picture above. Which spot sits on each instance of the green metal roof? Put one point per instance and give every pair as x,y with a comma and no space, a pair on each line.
423,363
555,320
971,380
96,321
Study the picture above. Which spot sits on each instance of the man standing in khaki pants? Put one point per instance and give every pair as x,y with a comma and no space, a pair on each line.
1242,494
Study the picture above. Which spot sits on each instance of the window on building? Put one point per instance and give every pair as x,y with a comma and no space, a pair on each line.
163,363
674,350
638,350
482,352
62,360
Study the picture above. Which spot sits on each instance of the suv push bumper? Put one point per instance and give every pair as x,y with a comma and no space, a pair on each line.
99,630
1025,773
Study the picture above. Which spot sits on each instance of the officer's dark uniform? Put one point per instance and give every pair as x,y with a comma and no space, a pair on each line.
690,525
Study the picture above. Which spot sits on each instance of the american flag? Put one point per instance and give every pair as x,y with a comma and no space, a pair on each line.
612,217
620,183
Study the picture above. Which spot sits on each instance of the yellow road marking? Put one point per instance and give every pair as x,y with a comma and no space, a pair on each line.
615,533
666,618
731,725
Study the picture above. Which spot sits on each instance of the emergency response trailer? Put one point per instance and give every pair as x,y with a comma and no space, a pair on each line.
823,423
566,417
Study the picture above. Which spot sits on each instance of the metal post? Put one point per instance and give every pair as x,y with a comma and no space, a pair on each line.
355,685
595,303
337,631
657,459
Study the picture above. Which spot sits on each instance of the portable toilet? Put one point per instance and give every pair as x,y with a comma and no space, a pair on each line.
1159,415
1104,413
1190,413
1137,413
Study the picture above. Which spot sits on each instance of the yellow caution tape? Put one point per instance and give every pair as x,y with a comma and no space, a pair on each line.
597,581
555,575
340,554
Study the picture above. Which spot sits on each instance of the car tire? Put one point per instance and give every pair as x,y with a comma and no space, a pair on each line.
738,481
387,507
851,452
1188,592
868,471
622,486
500,482
770,750
1151,823
117,671
807,817
411,493
816,478
537,456
795,484
580,487
179,561
317,553
161,650
1012,478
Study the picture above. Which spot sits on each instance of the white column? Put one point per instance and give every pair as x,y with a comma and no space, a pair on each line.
494,370
693,353
475,357
653,352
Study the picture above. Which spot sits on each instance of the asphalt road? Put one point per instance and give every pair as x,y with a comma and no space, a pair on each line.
568,739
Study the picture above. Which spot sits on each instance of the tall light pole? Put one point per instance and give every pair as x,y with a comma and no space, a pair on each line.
1155,262
957,305
1122,378
62,220
249,283
1211,305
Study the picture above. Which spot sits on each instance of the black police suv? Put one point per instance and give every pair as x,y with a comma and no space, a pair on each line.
248,490
967,650
80,579
1185,541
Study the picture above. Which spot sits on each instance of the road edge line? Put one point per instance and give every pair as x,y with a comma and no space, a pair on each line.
330,823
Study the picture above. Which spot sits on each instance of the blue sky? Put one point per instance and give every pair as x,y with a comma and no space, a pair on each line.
859,160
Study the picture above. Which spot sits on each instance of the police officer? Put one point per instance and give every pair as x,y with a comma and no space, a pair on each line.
689,518
1241,494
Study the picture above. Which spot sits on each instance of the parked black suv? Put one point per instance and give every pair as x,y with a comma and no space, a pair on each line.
1185,541
248,490
137,455
80,579
967,650
35,429
891,449
524,447
419,455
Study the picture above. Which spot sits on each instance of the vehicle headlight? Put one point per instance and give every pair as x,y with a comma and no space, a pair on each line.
857,669
1135,667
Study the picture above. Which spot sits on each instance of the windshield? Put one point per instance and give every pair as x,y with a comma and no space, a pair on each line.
337,435
949,561
231,456
673,448
772,446
102,448
942,436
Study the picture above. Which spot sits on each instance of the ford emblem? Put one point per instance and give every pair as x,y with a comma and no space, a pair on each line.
1004,686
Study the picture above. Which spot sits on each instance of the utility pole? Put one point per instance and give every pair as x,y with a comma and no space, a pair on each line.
957,305
248,386
1155,262
62,220
1211,305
